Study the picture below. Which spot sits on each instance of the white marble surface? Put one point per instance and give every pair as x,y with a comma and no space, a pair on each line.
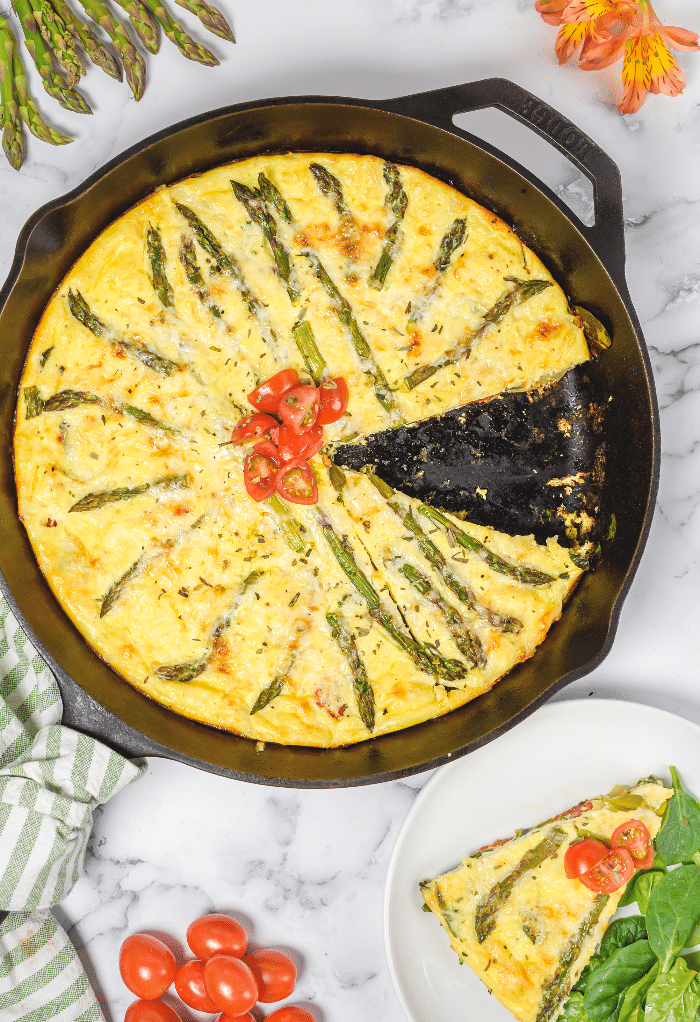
306,869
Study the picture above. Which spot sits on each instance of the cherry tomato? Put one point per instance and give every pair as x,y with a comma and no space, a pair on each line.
230,984
292,445
334,400
291,1013
275,974
298,407
635,837
147,965
260,471
236,1018
583,856
216,934
296,482
252,426
189,984
150,1011
266,397
611,873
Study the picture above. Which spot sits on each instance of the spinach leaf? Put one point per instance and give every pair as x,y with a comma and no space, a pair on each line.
622,932
631,1007
679,837
574,1010
674,996
694,937
643,887
673,911
609,980
580,984
630,893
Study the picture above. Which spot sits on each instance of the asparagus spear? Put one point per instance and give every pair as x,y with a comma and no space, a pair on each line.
188,258
134,64
291,528
182,672
118,588
273,196
210,17
27,107
466,642
143,23
364,693
397,201
330,185
12,137
558,987
187,46
157,258
95,501
59,40
528,576
268,694
449,244
53,83
523,290
35,404
253,203
84,314
143,416
308,348
83,34
343,310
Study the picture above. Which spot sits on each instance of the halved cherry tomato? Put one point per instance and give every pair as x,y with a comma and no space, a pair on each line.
266,397
147,965
298,407
230,984
610,874
260,471
296,482
583,856
292,445
275,974
150,1011
216,934
291,1013
189,984
635,837
252,426
334,400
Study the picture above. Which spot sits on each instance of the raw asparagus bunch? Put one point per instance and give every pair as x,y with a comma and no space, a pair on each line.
54,83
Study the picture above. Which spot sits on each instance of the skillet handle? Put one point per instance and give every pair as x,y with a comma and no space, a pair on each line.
440,106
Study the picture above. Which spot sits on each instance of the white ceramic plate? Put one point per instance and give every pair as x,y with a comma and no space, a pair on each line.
565,752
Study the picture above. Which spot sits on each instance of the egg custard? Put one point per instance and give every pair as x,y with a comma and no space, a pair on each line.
319,625
513,915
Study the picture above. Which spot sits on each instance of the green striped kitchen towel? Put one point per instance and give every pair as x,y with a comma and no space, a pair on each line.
51,779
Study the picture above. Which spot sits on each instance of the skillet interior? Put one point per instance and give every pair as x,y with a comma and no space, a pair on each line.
57,235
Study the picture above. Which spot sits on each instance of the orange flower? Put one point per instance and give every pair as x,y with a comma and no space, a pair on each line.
648,64
587,23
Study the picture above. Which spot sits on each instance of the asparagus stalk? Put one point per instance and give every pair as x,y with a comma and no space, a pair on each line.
118,588
343,310
528,576
35,404
143,416
12,137
275,687
210,17
187,46
308,348
523,290
449,244
157,258
291,528
84,314
397,201
466,642
95,501
330,186
558,987
143,23
253,203
59,40
53,83
188,258
27,107
364,694
273,196
83,34
134,64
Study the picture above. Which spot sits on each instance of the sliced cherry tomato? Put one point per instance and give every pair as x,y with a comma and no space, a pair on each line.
635,837
291,1013
189,984
260,472
296,482
266,397
252,426
150,1011
230,984
275,974
334,400
216,934
292,445
611,873
583,856
298,407
147,965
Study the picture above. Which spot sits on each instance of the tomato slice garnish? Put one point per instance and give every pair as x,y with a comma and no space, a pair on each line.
298,408
334,400
260,471
292,445
266,397
252,426
582,856
611,873
297,483
635,837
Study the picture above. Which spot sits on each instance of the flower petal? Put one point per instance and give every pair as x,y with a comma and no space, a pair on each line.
680,38
636,76
551,10
569,38
598,55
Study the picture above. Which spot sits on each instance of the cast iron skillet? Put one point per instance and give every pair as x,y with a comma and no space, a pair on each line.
587,261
